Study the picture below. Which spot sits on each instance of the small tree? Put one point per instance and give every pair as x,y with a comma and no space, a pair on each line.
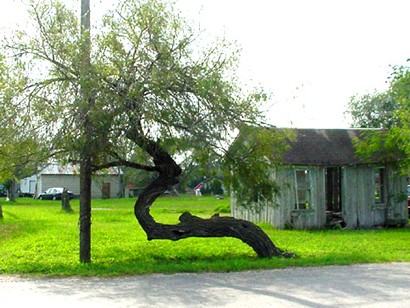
155,95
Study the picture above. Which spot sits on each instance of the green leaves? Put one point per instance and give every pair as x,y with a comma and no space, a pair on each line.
400,88
391,111
150,75
250,162
376,110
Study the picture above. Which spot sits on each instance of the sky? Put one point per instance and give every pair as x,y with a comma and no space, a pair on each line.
311,56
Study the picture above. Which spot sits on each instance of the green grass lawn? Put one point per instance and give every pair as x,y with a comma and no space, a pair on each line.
37,237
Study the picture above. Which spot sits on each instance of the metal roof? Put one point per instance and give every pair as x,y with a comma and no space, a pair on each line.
70,169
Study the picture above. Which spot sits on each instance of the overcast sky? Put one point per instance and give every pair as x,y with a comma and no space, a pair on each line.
311,55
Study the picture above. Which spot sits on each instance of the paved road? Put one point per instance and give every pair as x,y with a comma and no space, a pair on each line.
374,285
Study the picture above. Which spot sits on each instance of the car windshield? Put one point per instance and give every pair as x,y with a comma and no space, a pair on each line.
53,190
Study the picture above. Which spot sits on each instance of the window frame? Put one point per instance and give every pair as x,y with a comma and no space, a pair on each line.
379,185
307,190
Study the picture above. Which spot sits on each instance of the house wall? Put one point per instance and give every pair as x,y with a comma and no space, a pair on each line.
359,209
397,192
282,213
357,196
72,182
358,202
28,185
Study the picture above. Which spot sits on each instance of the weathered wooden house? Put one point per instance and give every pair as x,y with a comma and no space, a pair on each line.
107,184
321,177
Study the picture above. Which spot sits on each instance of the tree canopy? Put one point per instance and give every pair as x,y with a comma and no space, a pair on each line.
148,75
389,111
400,133
20,150
373,110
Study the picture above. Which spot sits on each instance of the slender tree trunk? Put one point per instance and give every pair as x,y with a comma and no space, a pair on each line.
86,155
1,212
11,192
85,210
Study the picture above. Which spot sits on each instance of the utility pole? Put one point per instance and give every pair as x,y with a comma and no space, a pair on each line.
86,153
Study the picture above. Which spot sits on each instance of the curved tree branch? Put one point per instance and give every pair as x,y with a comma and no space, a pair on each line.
126,164
189,225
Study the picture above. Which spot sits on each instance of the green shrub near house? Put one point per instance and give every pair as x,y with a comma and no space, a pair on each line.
38,238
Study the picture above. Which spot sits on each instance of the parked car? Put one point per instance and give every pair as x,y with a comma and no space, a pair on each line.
54,193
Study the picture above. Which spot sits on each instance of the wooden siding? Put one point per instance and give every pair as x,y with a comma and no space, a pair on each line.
282,213
357,196
397,195
359,208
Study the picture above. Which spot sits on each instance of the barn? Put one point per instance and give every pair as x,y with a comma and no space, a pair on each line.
323,182
107,184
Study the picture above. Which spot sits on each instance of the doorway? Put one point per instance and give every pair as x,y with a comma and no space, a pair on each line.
334,197
106,190
334,189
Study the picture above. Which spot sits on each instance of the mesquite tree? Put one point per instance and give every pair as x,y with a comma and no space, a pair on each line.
159,94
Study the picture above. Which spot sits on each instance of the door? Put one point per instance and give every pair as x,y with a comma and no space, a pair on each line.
106,190
333,189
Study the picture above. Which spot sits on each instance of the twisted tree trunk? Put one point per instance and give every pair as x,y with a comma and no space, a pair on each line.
189,225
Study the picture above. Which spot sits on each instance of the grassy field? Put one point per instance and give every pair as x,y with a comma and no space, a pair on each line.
37,238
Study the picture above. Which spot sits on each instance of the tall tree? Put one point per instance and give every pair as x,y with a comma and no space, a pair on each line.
389,111
151,94
400,133
86,150
373,110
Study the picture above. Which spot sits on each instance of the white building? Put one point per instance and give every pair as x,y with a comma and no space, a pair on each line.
105,184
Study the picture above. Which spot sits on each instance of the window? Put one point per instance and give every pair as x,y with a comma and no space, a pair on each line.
379,185
302,185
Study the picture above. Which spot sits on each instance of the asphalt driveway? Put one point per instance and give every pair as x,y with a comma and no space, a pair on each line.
373,285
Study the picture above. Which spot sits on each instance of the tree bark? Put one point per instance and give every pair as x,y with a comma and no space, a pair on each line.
85,210
189,225
86,153
65,201
11,192
1,212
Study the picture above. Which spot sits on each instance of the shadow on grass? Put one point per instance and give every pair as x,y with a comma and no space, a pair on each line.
155,263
